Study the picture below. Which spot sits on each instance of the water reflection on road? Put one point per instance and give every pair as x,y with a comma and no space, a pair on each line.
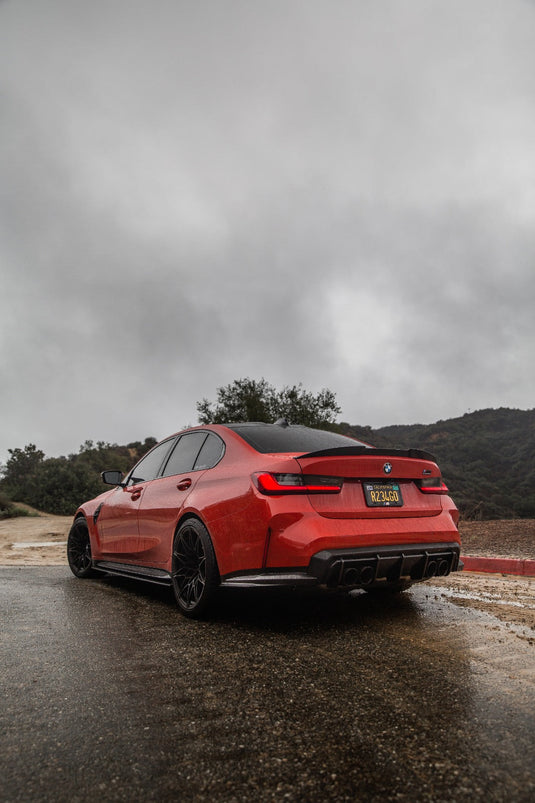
278,696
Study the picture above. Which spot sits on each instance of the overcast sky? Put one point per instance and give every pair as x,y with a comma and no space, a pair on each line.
338,193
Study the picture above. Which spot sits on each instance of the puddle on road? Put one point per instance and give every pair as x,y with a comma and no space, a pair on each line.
484,596
497,631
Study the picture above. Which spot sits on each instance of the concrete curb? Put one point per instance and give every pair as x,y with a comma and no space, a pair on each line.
517,566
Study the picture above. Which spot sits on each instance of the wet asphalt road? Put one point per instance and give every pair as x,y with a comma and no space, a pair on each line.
108,693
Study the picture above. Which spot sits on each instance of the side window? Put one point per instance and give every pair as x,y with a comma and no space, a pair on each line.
184,454
148,467
210,454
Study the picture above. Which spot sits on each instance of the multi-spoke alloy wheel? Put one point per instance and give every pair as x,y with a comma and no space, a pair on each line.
79,549
195,574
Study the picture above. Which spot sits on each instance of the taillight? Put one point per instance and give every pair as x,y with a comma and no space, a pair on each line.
432,485
273,484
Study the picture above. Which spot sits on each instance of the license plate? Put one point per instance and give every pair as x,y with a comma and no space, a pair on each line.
383,494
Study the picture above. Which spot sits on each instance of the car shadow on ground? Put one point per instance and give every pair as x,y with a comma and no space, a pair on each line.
282,610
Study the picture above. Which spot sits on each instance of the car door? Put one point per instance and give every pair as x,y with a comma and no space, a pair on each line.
164,498
117,523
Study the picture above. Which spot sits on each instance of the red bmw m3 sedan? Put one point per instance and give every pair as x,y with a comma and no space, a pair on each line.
257,504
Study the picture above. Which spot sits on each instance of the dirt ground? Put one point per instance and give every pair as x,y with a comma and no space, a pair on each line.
34,540
41,541
506,538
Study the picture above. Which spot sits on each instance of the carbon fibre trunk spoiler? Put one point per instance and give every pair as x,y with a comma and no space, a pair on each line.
358,451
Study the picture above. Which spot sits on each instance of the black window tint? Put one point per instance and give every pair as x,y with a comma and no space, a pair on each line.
267,438
210,454
183,455
148,467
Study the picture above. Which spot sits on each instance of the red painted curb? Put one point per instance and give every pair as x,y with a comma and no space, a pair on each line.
524,568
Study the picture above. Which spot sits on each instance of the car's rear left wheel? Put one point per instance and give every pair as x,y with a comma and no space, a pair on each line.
194,568
79,550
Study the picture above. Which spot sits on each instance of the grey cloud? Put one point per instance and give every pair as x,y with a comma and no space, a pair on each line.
333,193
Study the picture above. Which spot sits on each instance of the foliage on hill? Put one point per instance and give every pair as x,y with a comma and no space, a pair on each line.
487,458
59,484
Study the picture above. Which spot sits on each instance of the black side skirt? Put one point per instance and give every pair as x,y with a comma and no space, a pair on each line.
146,573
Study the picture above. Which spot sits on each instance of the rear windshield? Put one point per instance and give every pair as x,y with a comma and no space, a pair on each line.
267,438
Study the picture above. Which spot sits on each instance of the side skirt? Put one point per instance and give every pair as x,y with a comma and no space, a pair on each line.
147,573
269,579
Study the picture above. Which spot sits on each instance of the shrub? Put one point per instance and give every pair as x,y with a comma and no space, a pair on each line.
9,510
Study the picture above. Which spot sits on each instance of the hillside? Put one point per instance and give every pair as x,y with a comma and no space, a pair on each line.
487,458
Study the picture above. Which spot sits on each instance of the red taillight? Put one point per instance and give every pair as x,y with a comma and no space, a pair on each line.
273,484
432,485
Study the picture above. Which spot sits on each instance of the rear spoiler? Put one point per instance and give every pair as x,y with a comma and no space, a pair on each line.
357,451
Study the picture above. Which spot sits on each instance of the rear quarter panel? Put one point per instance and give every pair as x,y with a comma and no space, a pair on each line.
235,514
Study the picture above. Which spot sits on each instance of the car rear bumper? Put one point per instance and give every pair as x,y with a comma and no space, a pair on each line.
364,567
361,567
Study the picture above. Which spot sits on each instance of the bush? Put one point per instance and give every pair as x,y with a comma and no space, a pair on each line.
9,510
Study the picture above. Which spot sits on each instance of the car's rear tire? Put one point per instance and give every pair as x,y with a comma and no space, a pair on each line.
194,568
79,550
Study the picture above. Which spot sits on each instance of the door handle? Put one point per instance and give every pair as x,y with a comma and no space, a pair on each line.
183,485
134,491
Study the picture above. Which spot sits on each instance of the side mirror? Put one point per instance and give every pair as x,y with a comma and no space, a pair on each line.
112,477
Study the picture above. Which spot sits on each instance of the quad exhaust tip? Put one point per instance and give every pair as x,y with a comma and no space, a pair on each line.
362,577
388,566
366,575
437,568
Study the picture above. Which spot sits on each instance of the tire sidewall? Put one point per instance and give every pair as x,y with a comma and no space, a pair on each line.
212,572
79,527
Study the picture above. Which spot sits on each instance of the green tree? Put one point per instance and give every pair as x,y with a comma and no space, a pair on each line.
21,471
59,484
257,400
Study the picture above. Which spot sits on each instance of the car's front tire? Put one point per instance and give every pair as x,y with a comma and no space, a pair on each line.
194,568
79,550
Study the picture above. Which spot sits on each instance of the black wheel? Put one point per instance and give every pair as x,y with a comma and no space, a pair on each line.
194,572
79,550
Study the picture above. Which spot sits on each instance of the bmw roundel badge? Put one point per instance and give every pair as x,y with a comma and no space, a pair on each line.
387,468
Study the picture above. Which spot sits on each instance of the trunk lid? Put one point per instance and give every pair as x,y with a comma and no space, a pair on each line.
378,483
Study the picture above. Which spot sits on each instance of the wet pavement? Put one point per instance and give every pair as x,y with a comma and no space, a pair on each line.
108,693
